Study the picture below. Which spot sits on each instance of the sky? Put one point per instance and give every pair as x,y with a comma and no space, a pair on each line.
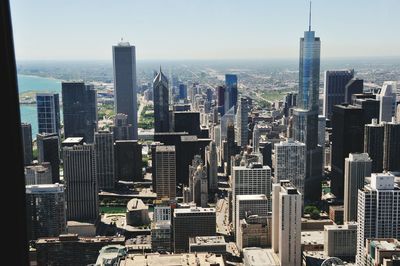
202,29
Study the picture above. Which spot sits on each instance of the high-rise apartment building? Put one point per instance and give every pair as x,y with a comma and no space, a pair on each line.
81,181
356,167
161,103
49,151
79,110
378,212
165,159
46,210
48,112
104,149
286,223
125,86
26,131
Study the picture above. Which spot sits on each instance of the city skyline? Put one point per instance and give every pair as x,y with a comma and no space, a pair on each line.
226,31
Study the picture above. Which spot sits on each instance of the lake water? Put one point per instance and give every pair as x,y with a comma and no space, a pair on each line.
33,83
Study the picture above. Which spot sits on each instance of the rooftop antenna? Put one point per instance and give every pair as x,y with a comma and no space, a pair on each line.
309,19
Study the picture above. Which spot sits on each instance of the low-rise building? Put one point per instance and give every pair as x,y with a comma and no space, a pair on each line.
212,244
341,241
184,259
260,257
383,252
137,213
254,231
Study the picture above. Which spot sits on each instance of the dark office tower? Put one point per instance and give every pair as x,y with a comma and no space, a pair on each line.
165,169
221,99
231,146
192,222
80,179
26,131
335,89
373,144
266,151
46,210
128,160
347,137
125,87
104,149
354,86
242,122
160,99
231,91
209,94
182,91
391,146
187,122
48,112
370,109
290,101
212,166
79,110
121,129
49,151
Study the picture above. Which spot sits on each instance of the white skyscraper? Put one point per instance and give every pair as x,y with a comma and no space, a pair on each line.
251,180
286,223
378,212
290,163
387,101
356,167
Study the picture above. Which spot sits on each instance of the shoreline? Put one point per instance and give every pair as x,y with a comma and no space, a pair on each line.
36,76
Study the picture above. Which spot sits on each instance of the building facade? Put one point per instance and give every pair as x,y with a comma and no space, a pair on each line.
104,149
165,157
161,103
26,131
49,151
48,112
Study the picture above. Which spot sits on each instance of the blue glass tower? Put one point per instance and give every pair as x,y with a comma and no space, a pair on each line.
48,110
231,91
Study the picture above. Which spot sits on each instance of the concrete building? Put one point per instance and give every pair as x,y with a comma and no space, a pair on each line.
336,213
161,236
254,231
286,223
48,112
161,103
183,259
121,129
373,144
26,131
137,213
378,212
38,174
125,85
254,179
387,101
49,151
255,256
210,244
340,241
198,182
128,160
382,252
165,163
81,181
66,250
192,222
242,121
335,82
46,210
356,167
104,149
290,163
247,205
212,166
79,110
391,146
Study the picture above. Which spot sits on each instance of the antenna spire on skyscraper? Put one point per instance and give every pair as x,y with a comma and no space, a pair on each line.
309,19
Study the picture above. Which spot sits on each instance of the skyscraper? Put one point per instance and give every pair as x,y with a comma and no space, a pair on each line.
104,149
182,91
46,210
378,212
242,120
305,116
26,131
198,182
79,110
387,98
286,223
290,163
212,166
221,99
165,163
128,160
231,92
48,112
335,89
38,174
373,144
347,137
161,100
49,151
356,167
125,86
354,86
80,178
391,146
121,129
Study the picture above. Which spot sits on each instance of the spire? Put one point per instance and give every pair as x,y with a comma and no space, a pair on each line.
309,19
160,68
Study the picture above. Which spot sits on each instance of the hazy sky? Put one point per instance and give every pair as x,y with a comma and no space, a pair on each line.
202,29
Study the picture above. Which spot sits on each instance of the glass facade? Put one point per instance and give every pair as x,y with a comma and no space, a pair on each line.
48,110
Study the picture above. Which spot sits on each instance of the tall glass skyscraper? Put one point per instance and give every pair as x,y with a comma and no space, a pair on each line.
125,87
231,91
48,111
161,107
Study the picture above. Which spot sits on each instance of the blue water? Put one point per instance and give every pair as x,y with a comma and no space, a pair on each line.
33,83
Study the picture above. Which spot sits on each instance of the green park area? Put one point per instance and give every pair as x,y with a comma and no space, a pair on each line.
146,117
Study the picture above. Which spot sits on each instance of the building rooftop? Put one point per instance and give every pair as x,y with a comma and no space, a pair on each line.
73,141
136,204
162,148
207,240
109,255
185,259
335,227
44,188
251,197
193,210
312,237
260,257
75,238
